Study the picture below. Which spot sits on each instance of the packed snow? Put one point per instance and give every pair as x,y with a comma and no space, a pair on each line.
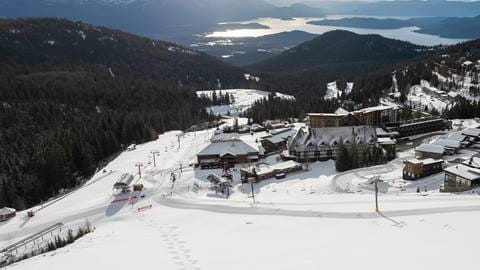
425,96
243,99
333,91
312,218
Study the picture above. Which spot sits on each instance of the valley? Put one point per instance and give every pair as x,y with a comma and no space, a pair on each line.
225,134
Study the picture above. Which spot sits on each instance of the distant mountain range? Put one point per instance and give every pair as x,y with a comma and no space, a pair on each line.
409,8
340,50
465,27
154,18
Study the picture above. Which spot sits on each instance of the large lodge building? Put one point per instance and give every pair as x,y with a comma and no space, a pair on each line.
373,116
382,116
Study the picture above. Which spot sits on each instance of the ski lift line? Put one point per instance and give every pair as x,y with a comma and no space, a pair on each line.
32,237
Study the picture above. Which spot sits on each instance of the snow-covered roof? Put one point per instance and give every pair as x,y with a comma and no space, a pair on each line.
225,137
467,63
281,135
385,141
331,136
453,94
475,132
376,108
256,126
6,211
235,148
325,114
456,136
430,148
383,133
448,143
474,162
267,169
464,172
341,110
426,161
216,179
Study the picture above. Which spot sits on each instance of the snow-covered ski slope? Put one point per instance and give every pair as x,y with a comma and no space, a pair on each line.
306,221
244,99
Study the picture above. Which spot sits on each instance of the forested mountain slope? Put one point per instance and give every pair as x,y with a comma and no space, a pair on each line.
340,50
71,94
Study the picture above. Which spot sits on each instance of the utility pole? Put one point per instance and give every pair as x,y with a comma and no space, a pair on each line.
154,153
253,192
139,165
375,180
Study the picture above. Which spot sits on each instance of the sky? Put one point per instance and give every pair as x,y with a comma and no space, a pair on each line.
289,2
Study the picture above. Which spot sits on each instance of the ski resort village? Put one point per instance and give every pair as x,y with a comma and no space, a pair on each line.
301,193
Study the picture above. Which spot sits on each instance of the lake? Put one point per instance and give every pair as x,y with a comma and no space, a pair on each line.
279,25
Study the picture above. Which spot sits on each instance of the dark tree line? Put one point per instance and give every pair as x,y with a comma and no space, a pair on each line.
56,132
464,109
349,158
68,106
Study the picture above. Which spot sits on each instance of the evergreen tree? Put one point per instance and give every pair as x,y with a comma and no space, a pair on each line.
342,162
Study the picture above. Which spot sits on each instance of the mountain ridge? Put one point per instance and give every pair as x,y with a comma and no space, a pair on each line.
340,48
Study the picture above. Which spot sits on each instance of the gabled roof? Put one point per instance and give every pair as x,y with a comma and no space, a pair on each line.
430,148
6,211
341,110
235,148
331,136
281,135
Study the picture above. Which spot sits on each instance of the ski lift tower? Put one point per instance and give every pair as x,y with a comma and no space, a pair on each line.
139,165
154,153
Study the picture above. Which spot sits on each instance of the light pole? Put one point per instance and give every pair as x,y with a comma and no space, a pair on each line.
154,153
253,192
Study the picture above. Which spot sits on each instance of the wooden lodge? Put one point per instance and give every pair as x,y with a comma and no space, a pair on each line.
321,144
226,152
433,151
373,116
415,169
7,213
418,126
461,178
473,134
265,171
277,140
